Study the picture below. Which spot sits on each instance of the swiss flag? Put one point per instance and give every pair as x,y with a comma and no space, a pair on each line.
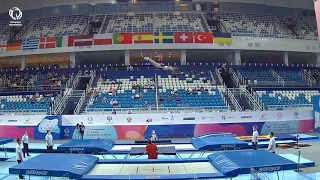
183,37
203,37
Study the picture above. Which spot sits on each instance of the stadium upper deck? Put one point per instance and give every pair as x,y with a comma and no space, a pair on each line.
239,24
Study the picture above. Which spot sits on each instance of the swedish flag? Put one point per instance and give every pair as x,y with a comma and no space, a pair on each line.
163,37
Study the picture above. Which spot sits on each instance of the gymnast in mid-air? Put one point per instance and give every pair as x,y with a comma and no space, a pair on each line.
159,66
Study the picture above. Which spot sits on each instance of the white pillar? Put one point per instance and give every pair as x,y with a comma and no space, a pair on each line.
127,57
23,62
183,57
198,7
72,58
286,58
237,57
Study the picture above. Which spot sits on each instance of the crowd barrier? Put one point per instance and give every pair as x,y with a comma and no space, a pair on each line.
173,125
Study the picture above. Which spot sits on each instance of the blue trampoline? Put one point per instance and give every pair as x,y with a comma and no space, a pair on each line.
72,166
243,162
3,142
218,143
86,146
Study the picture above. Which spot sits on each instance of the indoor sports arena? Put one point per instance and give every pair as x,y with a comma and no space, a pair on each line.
160,89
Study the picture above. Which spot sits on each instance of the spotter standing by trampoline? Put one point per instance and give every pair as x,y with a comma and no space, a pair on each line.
19,155
49,142
255,136
25,141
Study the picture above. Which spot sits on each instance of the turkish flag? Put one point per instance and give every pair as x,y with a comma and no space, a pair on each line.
203,37
183,37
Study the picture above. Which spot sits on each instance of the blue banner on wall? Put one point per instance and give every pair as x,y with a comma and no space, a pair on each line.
48,123
316,113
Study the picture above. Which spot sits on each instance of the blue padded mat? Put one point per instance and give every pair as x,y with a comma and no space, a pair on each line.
87,146
170,150
56,165
241,162
218,143
5,140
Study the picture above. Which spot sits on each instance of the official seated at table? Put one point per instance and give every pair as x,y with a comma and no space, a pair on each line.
154,136
151,150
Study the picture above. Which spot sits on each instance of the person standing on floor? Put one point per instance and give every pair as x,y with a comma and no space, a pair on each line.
49,142
19,155
272,143
25,141
255,137
82,128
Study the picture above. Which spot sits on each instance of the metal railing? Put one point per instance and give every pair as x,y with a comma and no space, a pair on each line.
69,81
32,80
256,96
80,103
156,110
63,102
243,92
306,75
317,73
235,78
24,112
276,75
233,100
3,81
30,88
219,77
76,80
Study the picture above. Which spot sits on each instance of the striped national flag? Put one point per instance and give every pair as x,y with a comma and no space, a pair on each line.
83,40
103,39
28,44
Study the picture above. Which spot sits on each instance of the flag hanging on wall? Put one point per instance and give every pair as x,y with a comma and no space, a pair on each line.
183,37
14,46
31,43
53,42
203,37
145,37
222,38
83,40
122,38
102,39
163,37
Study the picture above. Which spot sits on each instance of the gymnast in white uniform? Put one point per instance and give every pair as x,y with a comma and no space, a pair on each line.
158,65
154,136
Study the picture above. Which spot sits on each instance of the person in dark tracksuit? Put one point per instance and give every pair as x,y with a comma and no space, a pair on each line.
82,128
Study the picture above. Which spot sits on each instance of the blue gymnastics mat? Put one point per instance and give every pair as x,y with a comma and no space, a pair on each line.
242,162
218,143
56,165
5,141
86,146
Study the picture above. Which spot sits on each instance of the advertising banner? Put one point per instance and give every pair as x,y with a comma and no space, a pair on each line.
187,118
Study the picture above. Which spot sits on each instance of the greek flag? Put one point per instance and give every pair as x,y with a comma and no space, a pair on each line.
28,44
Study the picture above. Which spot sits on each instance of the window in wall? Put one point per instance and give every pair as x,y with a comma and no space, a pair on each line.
183,7
203,7
194,7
